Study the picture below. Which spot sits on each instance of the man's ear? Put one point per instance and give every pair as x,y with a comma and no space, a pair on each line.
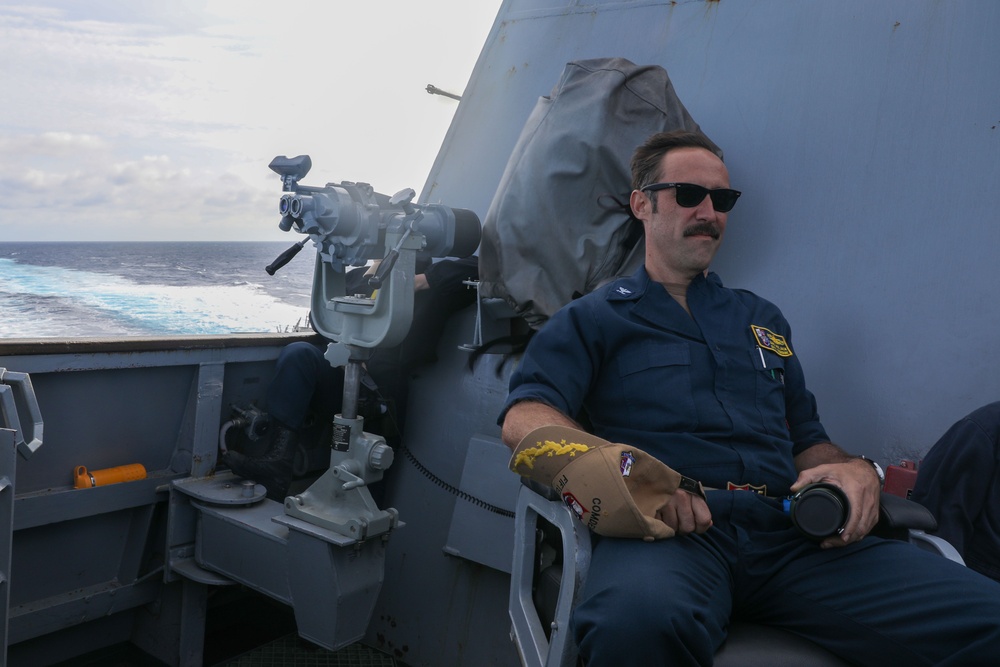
641,206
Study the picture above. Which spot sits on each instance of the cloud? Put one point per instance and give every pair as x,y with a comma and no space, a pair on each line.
146,198
48,144
151,120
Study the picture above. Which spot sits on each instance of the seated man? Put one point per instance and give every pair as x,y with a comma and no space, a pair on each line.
959,482
306,390
705,379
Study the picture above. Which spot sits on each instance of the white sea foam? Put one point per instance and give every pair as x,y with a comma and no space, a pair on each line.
104,304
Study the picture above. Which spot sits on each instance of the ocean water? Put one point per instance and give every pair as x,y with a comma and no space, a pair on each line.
150,289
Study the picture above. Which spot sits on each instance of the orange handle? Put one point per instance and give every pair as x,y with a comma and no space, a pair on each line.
127,473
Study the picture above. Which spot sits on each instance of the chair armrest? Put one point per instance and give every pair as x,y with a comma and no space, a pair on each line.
897,516
544,490
535,649
897,512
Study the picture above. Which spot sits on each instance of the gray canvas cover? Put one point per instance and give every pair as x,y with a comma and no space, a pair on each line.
546,240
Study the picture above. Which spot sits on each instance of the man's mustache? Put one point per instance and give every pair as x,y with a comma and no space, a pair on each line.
702,228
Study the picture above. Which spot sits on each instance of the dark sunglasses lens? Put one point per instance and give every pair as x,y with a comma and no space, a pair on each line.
689,195
723,201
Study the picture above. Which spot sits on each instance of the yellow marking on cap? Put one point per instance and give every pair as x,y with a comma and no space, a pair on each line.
548,448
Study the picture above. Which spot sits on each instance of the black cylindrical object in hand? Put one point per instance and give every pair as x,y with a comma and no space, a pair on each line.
819,510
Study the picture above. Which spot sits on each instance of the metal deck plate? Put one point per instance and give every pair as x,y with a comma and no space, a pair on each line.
290,651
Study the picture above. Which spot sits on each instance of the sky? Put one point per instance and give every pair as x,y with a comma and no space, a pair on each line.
141,120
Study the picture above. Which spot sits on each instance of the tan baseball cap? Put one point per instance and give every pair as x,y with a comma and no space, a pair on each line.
615,489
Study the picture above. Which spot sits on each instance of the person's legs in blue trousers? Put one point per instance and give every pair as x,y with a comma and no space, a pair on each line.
877,602
305,388
658,603
304,384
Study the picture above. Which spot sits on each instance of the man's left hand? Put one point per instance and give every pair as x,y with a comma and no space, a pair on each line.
860,484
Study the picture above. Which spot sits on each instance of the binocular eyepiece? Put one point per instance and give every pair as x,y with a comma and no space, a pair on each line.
819,510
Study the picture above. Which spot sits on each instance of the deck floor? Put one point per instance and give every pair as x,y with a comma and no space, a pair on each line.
290,651
246,629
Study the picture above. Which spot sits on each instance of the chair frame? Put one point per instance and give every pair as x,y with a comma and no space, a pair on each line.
559,649
535,648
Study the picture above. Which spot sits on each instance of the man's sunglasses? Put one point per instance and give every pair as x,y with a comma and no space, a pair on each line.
690,195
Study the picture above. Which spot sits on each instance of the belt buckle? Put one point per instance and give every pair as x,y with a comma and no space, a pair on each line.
759,490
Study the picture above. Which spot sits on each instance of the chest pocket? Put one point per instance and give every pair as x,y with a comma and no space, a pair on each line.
657,389
770,390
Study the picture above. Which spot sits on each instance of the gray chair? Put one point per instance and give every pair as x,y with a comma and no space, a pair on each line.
552,556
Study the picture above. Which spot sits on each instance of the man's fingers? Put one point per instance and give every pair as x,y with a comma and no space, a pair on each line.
703,515
686,513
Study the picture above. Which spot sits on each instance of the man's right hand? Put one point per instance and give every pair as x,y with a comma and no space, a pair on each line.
686,513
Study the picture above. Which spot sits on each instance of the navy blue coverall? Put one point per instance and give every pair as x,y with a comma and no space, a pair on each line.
720,396
959,482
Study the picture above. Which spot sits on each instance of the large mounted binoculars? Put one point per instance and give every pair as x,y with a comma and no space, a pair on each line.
349,222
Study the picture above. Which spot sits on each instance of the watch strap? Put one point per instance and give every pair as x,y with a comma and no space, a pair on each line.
878,470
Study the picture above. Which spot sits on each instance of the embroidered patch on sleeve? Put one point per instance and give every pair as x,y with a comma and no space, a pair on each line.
768,340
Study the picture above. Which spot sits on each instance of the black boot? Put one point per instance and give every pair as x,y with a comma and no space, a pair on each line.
273,469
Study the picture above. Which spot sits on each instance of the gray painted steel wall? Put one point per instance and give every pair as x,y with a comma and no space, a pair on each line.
866,139
86,565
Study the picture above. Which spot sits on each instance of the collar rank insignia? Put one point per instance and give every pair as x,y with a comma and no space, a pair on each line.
771,341
624,291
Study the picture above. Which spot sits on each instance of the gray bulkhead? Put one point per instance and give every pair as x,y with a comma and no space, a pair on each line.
86,566
866,140
865,137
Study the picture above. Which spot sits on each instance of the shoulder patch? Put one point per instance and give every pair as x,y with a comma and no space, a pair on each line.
770,341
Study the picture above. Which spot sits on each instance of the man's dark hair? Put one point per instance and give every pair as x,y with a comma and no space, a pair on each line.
647,157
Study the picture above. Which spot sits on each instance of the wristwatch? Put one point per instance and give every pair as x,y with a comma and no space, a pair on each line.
878,471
